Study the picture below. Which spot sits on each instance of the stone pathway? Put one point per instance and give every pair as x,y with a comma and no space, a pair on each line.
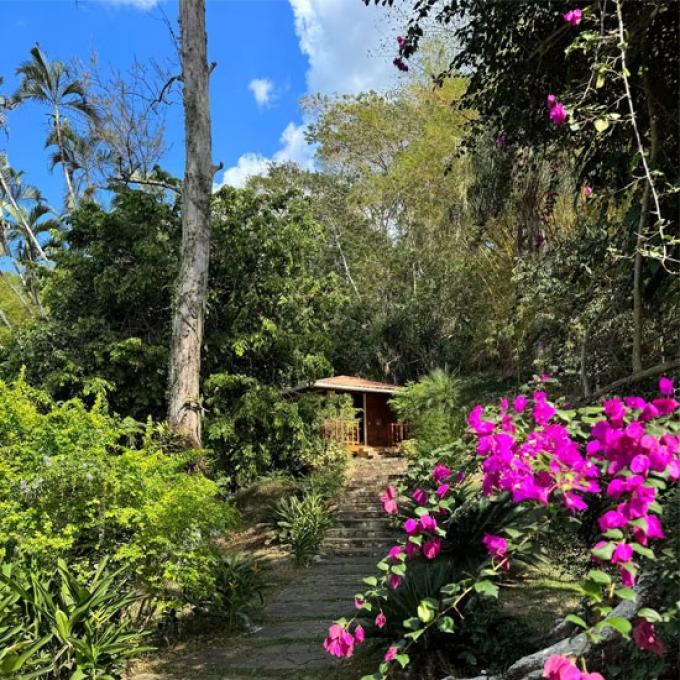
287,644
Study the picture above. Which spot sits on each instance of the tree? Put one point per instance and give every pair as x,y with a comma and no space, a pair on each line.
184,408
53,84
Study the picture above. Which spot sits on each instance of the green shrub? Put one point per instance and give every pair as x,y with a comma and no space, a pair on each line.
63,626
302,524
73,484
238,591
255,430
431,407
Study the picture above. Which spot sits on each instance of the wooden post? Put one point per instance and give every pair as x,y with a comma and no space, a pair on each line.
365,422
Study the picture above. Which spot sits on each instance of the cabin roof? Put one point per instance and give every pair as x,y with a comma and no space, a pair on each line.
350,383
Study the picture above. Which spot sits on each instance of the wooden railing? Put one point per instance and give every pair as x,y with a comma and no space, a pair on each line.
341,431
398,433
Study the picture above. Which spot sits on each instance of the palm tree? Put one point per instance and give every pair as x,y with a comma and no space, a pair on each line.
22,219
53,84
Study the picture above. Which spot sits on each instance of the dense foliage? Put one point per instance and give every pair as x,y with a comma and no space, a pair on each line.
82,485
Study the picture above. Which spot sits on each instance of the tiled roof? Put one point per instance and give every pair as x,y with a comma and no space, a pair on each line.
351,383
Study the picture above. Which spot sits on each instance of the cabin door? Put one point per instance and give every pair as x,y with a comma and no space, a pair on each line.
378,420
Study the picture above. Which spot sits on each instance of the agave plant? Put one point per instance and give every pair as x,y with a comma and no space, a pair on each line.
64,625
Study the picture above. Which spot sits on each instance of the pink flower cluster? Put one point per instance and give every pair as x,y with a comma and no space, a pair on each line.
497,548
619,459
340,642
645,637
563,668
547,461
573,16
556,110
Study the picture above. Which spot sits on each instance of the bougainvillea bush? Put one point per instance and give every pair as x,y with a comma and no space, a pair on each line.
621,457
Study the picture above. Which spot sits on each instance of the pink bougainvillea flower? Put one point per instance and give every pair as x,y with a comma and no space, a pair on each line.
520,403
637,403
388,500
613,519
380,620
440,473
339,642
394,581
359,634
640,464
561,668
359,602
501,140
666,405
497,546
622,553
412,549
558,114
395,553
477,423
645,637
587,191
666,386
391,654
419,496
400,64
428,523
543,410
442,490
411,526
401,40
551,100
627,577
573,16
614,409
431,548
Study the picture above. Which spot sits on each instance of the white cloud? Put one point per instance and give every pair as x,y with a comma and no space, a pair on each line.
248,165
262,89
139,4
349,46
294,149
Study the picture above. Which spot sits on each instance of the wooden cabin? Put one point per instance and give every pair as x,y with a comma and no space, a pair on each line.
376,428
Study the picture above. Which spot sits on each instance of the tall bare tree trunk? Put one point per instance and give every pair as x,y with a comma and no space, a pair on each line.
184,411
71,200
643,225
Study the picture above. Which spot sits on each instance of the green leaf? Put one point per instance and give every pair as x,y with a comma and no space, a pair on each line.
371,581
61,622
425,611
650,615
445,624
605,552
399,569
450,589
645,552
601,124
614,534
402,660
622,625
625,593
486,588
599,577
577,620
412,624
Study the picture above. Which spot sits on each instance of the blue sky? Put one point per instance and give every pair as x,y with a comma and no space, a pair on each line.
270,53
